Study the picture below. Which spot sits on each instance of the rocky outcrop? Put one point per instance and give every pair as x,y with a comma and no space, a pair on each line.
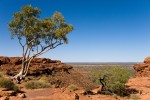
4,60
12,65
4,92
143,69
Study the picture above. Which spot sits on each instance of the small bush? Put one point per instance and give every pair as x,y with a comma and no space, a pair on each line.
8,84
115,78
134,97
73,87
36,85
44,79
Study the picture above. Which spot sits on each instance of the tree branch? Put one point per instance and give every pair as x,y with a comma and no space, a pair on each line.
51,48
44,50
20,42
29,42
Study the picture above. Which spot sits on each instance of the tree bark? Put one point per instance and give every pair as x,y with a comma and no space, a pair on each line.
23,72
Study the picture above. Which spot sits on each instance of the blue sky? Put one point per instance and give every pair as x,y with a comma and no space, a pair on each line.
104,30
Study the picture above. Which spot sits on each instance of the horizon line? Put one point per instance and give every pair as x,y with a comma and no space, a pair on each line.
103,62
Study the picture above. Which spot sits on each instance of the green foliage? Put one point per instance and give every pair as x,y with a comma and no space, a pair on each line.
8,84
73,87
36,85
49,32
115,78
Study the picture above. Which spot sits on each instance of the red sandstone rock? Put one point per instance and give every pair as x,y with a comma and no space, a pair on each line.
56,61
97,90
42,60
21,95
139,67
4,60
147,60
16,60
4,98
12,65
143,69
1,62
7,93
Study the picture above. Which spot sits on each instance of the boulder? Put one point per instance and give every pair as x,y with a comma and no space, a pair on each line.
141,66
3,89
4,98
81,91
7,93
97,90
143,74
147,60
143,69
21,95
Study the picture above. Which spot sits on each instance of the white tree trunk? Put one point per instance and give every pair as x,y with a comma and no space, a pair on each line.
23,72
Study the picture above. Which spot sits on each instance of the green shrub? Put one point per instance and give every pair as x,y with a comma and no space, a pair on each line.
73,87
44,79
36,85
115,78
8,84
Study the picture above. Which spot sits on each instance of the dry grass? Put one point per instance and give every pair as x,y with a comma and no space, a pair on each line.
8,84
36,85
73,87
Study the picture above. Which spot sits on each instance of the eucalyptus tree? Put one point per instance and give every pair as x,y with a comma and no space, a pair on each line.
37,36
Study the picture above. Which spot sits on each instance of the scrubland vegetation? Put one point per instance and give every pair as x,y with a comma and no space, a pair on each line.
113,79
36,85
8,84
73,87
